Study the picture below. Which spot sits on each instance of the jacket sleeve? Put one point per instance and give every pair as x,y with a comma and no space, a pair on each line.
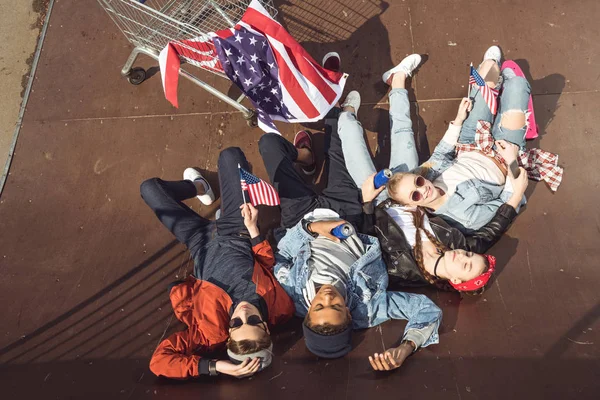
444,153
174,359
485,237
263,254
473,210
423,316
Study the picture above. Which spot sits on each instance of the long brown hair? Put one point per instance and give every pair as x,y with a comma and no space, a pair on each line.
442,284
418,219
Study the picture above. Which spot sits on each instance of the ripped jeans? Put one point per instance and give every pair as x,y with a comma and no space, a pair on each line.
514,98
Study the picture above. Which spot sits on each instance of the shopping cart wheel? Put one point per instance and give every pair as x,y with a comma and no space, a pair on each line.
136,75
251,119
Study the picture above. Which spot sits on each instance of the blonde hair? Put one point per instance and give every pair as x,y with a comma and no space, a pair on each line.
394,182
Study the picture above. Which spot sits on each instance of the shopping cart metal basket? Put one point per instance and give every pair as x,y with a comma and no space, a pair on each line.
152,24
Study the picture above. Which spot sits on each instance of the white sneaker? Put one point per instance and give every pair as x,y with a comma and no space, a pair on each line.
192,174
493,53
352,100
408,65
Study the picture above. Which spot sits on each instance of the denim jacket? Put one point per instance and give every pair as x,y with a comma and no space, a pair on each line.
475,202
369,301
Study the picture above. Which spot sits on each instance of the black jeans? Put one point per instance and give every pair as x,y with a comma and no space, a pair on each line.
165,199
298,198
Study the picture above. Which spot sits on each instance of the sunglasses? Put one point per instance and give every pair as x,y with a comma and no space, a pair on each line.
415,194
253,320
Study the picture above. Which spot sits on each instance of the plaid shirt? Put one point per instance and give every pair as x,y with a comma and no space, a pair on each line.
539,164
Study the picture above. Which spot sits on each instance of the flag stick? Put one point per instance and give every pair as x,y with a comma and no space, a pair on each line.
243,196
468,84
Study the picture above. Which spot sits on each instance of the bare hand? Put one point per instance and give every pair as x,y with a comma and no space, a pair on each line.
368,189
519,186
465,106
245,369
323,228
507,150
392,358
520,183
250,214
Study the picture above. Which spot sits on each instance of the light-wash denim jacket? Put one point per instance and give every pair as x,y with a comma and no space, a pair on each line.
475,202
369,301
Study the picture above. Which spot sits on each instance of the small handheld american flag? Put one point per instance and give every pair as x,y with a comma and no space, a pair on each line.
259,191
489,95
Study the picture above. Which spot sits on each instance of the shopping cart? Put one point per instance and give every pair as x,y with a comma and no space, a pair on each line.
152,24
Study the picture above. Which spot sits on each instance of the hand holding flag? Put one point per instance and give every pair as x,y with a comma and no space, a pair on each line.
490,96
259,191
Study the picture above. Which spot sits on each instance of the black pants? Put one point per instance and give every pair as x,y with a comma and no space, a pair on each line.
298,198
165,199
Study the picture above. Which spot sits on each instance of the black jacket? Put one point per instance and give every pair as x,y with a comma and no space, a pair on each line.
397,252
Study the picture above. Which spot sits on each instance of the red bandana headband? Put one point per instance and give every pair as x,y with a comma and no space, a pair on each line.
479,281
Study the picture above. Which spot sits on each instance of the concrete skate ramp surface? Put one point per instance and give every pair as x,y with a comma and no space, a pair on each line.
85,264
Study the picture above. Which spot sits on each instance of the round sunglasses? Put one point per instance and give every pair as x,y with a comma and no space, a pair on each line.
415,195
253,320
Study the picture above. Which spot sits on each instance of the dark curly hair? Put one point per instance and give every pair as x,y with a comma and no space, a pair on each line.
326,329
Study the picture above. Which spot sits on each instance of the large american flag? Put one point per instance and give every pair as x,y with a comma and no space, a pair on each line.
281,79
259,191
489,95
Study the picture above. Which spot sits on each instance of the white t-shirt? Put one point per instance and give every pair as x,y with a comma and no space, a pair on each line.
469,165
404,218
330,263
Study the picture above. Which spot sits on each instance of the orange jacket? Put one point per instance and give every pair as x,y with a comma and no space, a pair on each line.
204,308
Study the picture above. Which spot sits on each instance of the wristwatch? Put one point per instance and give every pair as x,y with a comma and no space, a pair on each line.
212,368
305,225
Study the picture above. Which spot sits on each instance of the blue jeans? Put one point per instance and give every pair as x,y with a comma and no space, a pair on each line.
515,97
403,157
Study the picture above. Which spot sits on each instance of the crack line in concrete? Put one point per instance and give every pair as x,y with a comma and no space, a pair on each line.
239,112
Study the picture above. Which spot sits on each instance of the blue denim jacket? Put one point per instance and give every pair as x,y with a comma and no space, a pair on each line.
369,301
475,202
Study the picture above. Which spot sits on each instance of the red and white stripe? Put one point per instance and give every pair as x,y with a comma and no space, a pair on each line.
262,193
199,51
490,96
308,90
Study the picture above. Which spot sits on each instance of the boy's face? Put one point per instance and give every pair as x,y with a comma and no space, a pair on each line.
328,306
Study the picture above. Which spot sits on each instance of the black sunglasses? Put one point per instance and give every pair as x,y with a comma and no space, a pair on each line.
253,320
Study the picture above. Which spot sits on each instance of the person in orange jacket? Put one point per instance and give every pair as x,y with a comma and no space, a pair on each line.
232,299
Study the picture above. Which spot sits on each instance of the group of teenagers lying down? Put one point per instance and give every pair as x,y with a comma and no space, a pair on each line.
429,225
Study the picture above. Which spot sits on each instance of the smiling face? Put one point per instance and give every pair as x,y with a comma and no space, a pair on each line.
461,265
412,190
328,307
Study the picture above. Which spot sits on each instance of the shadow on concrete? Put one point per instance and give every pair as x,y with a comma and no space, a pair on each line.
551,88
526,378
104,316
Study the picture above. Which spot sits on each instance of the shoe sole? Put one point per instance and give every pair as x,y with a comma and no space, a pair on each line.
311,172
207,198
328,56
